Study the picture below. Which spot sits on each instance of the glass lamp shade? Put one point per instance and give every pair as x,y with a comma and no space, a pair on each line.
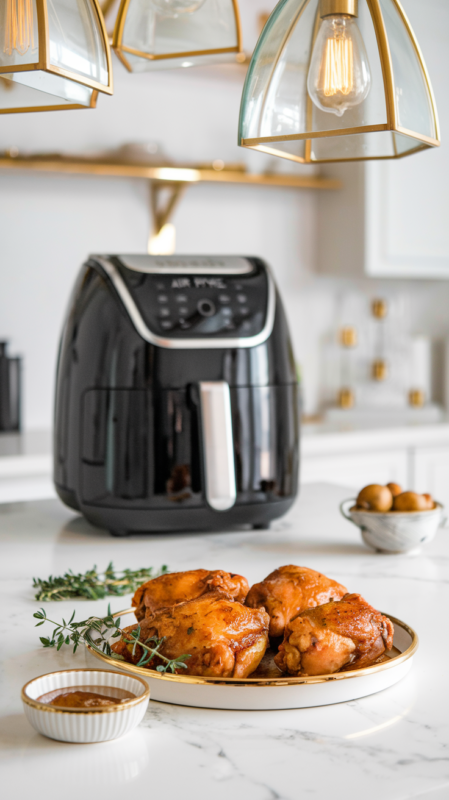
384,109
53,55
160,34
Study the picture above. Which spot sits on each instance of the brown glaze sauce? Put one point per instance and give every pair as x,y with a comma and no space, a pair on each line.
86,697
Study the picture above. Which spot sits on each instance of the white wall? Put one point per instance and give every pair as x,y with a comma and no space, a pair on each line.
50,223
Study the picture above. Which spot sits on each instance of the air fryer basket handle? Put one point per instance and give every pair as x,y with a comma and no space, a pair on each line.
218,444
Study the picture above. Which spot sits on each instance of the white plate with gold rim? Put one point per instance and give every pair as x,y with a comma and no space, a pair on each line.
285,691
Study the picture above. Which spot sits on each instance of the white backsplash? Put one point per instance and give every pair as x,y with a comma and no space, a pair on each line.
313,304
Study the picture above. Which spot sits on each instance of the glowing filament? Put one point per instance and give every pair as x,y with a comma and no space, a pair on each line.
19,26
338,67
339,75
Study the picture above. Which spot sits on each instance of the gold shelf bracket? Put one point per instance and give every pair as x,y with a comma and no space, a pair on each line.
162,212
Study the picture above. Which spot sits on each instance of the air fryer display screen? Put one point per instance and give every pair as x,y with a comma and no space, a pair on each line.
200,305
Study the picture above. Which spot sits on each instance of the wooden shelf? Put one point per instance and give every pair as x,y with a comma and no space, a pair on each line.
176,178
166,173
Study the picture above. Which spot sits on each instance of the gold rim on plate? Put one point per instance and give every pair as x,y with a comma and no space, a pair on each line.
109,710
282,680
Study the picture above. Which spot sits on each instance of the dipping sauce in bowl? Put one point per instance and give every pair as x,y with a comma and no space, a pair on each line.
85,697
85,705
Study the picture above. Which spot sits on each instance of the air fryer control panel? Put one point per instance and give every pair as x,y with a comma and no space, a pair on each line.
196,305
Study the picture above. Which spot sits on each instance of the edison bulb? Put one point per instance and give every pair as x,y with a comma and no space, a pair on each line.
339,75
19,26
174,8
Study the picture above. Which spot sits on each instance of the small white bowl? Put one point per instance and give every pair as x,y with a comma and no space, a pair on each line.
85,725
395,531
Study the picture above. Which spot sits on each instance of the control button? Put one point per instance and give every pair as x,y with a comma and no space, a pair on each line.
242,298
186,325
162,298
183,310
229,325
160,285
181,298
166,324
246,326
164,312
224,298
238,286
244,310
227,312
206,308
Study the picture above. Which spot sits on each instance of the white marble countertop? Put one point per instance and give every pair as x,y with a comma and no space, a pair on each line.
393,745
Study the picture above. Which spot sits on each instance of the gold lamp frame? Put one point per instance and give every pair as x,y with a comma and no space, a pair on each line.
44,64
266,144
120,49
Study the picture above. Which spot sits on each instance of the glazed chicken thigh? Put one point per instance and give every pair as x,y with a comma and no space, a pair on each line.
223,637
178,587
347,634
289,590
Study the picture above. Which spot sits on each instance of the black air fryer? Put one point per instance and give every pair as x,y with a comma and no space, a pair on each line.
176,398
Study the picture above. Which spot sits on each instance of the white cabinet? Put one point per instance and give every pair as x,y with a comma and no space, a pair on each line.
357,469
390,219
430,472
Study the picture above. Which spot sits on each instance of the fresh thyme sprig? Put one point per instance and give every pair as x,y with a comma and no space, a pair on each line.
93,585
73,632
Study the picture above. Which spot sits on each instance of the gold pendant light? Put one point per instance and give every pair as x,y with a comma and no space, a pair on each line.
54,55
338,80
159,34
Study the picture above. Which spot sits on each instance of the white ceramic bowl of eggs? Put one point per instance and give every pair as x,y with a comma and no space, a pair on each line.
392,521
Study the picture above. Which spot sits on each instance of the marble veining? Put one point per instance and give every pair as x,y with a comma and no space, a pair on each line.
393,745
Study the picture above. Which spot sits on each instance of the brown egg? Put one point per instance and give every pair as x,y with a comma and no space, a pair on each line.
375,498
394,488
430,501
411,501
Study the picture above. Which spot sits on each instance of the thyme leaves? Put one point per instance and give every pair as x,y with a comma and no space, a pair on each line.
75,633
93,585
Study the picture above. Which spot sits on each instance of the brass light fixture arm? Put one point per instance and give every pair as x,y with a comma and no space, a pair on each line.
106,6
330,7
